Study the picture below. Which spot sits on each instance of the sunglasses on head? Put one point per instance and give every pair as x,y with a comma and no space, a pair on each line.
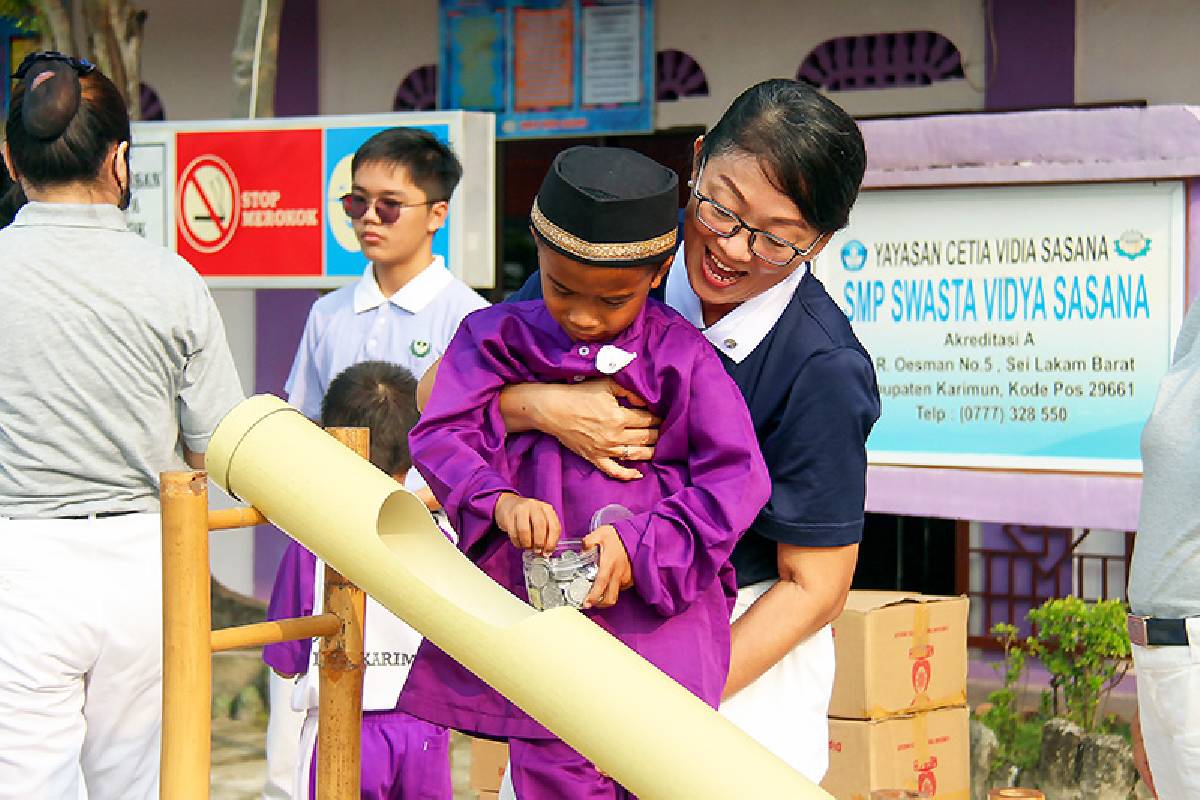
387,209
81,65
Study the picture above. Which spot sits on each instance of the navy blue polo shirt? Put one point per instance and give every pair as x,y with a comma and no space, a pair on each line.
810,387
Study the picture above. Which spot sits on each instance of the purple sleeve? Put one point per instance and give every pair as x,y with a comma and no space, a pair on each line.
458,445
292,596
679,547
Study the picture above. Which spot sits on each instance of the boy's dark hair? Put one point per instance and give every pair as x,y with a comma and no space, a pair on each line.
380,396
61,127
807,145
431,165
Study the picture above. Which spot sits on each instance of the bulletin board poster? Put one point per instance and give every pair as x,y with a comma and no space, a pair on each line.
550,67
1014,327
257,203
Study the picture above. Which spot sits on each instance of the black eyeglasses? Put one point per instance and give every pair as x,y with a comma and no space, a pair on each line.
724,223
80,65
387,209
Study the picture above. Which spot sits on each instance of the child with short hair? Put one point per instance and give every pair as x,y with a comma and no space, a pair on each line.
402,757
605,225
407,304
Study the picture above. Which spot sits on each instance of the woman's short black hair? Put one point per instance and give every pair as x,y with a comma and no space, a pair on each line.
806,144
61,125
380,396
431,165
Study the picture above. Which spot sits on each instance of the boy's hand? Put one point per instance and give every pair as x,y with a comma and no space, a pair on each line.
614,571
530,524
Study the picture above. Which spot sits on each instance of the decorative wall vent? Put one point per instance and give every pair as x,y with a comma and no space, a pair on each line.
881,61
418,90
678,75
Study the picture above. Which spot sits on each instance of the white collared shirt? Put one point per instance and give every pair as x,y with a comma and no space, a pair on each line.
740,331
358,323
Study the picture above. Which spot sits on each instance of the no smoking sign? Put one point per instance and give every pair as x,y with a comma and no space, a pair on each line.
209,203
250,203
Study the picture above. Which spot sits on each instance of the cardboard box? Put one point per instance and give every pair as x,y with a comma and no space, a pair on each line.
926,752
488,760
898,653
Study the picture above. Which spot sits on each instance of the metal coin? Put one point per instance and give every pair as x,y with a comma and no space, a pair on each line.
537,574
569,559
590,571
578,591
552,597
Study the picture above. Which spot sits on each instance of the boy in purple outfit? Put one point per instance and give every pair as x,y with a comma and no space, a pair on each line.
605,226
403,758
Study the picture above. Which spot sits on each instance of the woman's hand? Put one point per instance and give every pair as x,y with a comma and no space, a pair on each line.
588,420
530,524
614,571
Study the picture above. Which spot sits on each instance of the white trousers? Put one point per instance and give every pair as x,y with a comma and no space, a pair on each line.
786,709
1168,688
80,658
283,739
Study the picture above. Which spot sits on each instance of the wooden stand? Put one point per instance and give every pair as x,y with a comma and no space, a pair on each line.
189,642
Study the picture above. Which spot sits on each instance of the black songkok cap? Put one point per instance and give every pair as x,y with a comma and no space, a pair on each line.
608,207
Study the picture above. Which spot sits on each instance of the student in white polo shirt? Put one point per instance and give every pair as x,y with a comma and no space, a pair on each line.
404,309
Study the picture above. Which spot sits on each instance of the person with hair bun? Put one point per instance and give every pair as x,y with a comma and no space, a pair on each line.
113,368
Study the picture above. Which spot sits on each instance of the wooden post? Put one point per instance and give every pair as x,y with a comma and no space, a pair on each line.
187,619
342,665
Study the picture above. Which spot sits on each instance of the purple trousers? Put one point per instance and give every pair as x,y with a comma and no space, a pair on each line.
549,769
403,758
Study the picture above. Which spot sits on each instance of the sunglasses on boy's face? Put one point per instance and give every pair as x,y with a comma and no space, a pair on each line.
387,209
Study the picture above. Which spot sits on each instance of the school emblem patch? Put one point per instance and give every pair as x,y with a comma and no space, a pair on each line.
419,348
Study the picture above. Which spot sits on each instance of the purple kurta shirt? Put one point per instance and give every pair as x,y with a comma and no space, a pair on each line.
703,489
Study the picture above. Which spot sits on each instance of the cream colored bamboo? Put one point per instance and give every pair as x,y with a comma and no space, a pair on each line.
187,616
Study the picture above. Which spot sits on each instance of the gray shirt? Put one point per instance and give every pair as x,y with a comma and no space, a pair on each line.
1164,580
112,353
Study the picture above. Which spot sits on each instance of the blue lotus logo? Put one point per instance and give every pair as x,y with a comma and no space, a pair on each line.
854,255
1132,245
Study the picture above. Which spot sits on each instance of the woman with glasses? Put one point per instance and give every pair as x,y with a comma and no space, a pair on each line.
113,368
771,182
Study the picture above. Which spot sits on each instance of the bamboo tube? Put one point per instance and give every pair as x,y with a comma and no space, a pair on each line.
279,630
187,617
342,666
244,517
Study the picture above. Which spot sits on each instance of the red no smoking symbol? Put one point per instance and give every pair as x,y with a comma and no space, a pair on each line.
209,203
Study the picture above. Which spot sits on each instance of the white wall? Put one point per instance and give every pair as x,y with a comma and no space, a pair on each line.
367,49
1133,50
231,553
741,44
186,55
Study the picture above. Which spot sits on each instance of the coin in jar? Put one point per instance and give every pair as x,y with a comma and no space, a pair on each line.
552,597
535,598
537,574
569,559
577,591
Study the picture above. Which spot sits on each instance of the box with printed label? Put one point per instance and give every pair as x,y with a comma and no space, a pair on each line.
898,653
926,753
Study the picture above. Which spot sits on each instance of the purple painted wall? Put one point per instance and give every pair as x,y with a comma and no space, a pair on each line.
279,316
1030,52
296,86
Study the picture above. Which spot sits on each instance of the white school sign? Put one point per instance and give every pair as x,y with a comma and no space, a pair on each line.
1014,327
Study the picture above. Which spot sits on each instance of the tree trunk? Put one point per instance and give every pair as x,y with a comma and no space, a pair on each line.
254,59
58,30
114,37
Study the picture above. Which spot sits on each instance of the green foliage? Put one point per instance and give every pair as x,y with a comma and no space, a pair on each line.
22,13
1084,648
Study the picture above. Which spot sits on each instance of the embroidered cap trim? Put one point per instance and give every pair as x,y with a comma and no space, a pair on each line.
612,251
